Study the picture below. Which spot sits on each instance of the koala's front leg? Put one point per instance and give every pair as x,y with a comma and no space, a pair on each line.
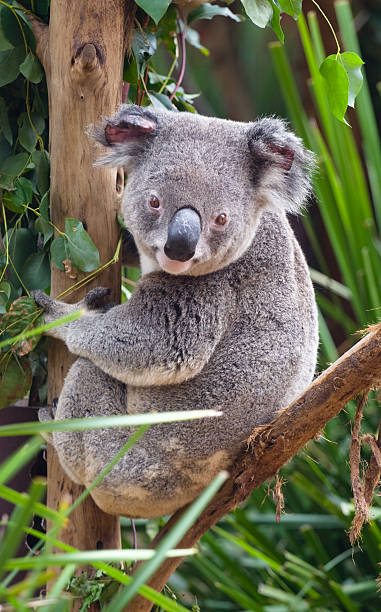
92,303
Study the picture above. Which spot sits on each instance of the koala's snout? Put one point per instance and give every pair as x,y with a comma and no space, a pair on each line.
184,231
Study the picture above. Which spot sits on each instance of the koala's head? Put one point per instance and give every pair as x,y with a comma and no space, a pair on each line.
197,185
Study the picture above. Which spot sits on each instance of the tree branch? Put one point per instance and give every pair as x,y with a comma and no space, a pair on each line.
271,446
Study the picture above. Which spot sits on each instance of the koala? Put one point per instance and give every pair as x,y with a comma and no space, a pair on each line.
223,317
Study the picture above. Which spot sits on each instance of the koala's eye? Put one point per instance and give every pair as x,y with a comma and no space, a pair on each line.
221,220
154,202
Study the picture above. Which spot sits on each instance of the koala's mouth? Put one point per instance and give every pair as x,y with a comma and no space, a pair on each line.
173,266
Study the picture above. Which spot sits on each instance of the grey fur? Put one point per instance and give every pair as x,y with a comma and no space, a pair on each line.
236,331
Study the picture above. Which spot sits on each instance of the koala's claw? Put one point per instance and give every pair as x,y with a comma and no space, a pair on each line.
41,299
95,298
46,413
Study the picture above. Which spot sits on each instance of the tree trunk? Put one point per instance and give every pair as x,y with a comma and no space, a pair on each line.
82,51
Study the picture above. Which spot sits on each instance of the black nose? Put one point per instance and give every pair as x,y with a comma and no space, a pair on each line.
184,232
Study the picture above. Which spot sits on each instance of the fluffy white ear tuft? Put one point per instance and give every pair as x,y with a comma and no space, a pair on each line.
281,166
126,135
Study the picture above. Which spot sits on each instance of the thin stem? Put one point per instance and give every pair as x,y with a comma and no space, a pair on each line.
183,59
330,26
133,526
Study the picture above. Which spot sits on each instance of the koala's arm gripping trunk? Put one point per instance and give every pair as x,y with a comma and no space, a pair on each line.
160,336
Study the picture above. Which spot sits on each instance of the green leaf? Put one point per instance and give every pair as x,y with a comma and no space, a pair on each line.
17,200
193,38
10,31
31,68
259,11
5,43
15,380
41,161
44,227
90,423
291,7
154,8
59,252
44,206
21,245
208,11
352,64
36,271
5,292
29,129
275,22
82,251
12,167
336,86
160,101
143,47
5,125
21,318
9,64
130,70
5,149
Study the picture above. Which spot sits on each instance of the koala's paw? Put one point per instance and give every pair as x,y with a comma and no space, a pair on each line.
45,415
43,300
94,300
53,310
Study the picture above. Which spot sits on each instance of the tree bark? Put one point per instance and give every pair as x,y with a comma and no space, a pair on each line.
271,446
82,51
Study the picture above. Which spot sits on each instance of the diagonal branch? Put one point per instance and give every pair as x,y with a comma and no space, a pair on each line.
271,446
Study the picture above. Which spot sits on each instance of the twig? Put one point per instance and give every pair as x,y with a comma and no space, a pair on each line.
183,57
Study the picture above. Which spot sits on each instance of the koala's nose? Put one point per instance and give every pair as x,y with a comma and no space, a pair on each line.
184,231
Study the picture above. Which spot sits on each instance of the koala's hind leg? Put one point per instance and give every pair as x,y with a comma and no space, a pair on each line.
88,392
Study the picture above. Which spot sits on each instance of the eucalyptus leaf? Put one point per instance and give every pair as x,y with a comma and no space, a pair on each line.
44,227
42,164
291,7
5,125
12,167
352,64
29,129
160,101
21,244
59,252
22,195
154,8
82,251
36,271
336,86
5,292
130,70
10,61
275,22
5,149
193,38
259,11
15,380
44,206
10,31
143,47
31,68
208,11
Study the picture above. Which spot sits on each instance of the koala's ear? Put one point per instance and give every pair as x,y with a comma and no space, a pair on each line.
281,167
126,135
